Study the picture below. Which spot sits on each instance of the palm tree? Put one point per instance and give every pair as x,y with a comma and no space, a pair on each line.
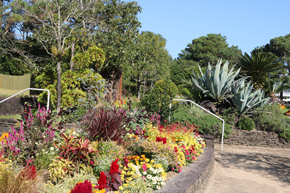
259,66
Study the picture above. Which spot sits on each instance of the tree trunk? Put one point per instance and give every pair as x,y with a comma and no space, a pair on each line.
144,87
139,90
58,86
72,56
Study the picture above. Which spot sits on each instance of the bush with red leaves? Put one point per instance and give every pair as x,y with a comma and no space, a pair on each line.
106,123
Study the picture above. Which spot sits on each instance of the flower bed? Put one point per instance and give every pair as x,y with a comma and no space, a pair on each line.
96,157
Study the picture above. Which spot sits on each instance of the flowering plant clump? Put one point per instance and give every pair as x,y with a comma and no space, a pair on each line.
35,132
113,176
152,173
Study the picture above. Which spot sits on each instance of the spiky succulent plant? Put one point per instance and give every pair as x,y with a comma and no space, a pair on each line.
215,83
246,98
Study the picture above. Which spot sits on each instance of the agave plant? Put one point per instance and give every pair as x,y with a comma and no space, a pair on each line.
215,83
245,99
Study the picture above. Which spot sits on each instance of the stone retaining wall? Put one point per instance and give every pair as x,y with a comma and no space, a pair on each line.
15,105
255,138
193,178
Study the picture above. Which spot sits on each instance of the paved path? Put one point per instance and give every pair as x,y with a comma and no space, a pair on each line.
246,169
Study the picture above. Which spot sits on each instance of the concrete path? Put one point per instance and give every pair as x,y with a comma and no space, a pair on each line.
246,169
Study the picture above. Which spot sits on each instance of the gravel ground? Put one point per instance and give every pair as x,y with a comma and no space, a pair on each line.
246,169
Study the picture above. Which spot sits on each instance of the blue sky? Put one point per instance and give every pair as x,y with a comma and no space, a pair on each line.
246,24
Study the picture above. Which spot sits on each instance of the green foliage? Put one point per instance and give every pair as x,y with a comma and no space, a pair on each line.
259,66
94,58
280,46
69,182
210,48
140,186
246,123
73,87
215,83
206,123
148,62
270,118
159,98
245,98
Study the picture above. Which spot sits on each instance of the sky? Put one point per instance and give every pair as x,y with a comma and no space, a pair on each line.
246,24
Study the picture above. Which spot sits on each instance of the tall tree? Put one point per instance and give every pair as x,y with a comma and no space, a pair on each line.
280,46
210,48
149,60
54,24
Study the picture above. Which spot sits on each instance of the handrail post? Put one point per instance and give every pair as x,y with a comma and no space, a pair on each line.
47,107
223,130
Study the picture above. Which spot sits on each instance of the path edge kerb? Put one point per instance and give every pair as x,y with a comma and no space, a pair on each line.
192,178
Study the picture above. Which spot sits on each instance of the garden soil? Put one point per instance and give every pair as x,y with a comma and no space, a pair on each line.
246,169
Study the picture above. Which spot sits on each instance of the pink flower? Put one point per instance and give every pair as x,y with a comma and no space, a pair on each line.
143,177
172,168
144,167
188,158
179,170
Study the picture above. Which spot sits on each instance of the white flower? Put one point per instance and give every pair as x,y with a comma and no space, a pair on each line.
158,179
158,187
163,183
154,171
151,169
154,178
162,179
154,182
51,148
149,176
144,173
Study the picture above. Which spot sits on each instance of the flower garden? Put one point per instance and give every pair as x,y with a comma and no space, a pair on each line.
113,149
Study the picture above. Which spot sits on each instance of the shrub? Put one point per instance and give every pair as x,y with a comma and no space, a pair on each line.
159,98
105,123
270,118
73,86
108,151
207,125
246,123
77,150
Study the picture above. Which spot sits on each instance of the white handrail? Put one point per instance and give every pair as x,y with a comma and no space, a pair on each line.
30,89
222,142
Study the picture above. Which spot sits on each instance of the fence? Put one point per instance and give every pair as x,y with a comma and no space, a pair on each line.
10,85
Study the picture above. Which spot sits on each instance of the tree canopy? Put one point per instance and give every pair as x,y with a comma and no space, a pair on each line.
210,48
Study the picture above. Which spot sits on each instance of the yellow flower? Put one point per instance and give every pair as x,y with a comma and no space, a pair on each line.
129,179
132,185
121,187
152,161
125,185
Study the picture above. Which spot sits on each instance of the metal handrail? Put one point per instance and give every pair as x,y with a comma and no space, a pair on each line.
222,142
30,89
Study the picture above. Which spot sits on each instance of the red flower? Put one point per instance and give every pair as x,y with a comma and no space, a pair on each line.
83,187
92,162
114,169
175,149
102,181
